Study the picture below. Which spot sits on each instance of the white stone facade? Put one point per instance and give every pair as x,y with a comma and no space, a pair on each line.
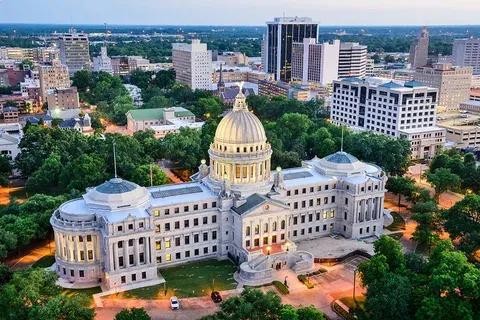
119,233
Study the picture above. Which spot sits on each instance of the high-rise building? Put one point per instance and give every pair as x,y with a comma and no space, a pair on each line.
74,50
466,53
314,62
63,99
53,76
103,62
352,60
419,50
193,64
396,109
281,34
453,84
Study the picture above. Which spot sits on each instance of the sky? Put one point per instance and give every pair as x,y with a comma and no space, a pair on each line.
240,12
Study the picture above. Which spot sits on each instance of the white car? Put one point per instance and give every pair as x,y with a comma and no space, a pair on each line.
174,303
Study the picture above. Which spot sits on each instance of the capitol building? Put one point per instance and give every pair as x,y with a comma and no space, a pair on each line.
118,234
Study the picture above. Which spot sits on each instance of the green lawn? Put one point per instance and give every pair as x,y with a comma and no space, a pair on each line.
398,223
349,302
190,280
87,292
44,262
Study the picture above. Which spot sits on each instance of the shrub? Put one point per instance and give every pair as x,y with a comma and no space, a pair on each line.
303,279
281,287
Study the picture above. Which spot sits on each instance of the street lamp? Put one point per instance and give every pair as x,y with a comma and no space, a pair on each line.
354,284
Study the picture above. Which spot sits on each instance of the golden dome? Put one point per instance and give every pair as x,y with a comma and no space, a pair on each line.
240,126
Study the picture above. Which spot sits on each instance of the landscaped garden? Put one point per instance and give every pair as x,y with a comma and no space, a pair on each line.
398,222
44,262
190,280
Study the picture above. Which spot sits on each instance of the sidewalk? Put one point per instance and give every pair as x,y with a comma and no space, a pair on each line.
31,255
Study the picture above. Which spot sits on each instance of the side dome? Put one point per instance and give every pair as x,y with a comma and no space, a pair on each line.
240,126
116,194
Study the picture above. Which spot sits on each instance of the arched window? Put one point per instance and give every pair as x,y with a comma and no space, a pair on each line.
274,226
257,229
247,233
282,224
265,227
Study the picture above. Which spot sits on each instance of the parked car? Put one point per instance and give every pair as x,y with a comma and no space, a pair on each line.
216,297
174,303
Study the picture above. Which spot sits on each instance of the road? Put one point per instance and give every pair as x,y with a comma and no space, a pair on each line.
329,286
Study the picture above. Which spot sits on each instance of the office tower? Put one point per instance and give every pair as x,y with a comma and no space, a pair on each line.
352,60
193,64
63,99
419,50
453,83
74,50
466,53
103,62
281,34
53,76
396,109
314,62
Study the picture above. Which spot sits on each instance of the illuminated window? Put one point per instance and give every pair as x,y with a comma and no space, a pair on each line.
158,245
167,243
156,213
168,257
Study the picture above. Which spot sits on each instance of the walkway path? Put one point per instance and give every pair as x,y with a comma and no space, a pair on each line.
29,256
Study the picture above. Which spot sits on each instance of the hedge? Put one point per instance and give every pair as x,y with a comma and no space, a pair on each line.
281,287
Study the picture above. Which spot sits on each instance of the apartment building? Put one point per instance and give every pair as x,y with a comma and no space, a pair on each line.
466,53
314,62
352,60
53,76
193,64
395,109
74,50
453,84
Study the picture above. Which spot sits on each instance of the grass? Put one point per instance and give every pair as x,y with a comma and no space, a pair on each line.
398,223
396,236
358,303
281,287
87,292
44,262
190,280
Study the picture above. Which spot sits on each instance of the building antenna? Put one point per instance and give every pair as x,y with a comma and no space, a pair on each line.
341,142
115,159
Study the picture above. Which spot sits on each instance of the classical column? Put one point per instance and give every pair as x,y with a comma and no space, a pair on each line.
147,250
137,252
76,252
85,251
115,256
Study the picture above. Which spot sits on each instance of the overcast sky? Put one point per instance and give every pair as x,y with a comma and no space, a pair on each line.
241,12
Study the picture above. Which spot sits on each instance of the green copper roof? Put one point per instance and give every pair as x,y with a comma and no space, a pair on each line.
157,113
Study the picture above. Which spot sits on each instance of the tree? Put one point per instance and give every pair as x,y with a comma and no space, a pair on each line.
183,148
85,171
392,250
5,170
253,304
147,175
442,180
429,223
374,269
462,222
400,186
121,105
63,307
140,78
133,314
45,179
389,298
158,102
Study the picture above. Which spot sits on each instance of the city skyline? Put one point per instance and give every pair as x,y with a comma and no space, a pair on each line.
249,12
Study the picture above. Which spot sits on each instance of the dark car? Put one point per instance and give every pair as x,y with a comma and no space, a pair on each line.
216,297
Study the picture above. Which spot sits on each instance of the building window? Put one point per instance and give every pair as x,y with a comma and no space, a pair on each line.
144,275
119,228
214,235
89,238
167,226
158,245
168,257
134,277
140,241
195,222
195,238
90,255
214,249
205,250
178,256
187,254
177,225
205,220
81,273
130,259
177,241
205,236
120,261
122,279
247,243
130,226
247,231
130,243
187,239
120,244
196,252
214,219
142,257
282,225
168,243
